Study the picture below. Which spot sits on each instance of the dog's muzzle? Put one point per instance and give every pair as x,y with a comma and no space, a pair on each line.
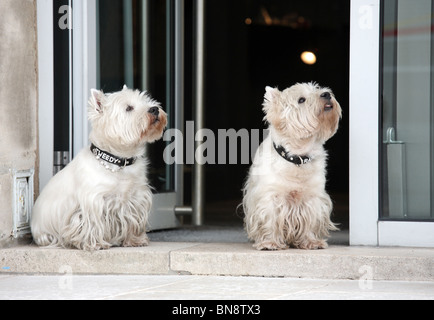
329,104
155,112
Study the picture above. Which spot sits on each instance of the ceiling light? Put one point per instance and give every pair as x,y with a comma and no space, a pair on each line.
308,57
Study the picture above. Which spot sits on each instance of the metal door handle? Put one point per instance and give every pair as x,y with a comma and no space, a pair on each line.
390,137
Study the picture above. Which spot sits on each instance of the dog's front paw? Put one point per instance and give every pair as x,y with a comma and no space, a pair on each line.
269,245
142,241
312,245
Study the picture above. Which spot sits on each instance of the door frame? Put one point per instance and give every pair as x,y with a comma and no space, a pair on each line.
83,78
45,89
365,225
366,228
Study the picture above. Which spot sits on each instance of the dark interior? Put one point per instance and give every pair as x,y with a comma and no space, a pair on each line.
249,44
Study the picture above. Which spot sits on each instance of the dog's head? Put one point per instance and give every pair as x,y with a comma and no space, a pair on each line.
127,118
302,111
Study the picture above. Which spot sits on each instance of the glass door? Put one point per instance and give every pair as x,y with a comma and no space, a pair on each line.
407,121
392,119
407,111
136,46
105,44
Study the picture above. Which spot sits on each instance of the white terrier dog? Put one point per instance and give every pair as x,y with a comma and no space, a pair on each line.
285,201
102,198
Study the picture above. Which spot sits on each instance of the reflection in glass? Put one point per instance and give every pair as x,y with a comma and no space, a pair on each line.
407,110
125,30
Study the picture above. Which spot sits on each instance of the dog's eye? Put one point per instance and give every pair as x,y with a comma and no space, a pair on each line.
301,100
129,108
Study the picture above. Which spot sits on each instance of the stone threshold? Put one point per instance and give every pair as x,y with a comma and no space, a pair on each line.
227,259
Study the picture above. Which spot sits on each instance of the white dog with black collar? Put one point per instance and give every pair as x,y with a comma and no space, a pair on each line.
102,198
285,202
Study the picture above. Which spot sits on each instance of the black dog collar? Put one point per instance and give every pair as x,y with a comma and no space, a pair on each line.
297,160
110,158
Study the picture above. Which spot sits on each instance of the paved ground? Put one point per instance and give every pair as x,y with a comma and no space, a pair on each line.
191,270
177,287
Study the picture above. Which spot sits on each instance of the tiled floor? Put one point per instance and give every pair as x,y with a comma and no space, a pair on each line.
224,234
174,287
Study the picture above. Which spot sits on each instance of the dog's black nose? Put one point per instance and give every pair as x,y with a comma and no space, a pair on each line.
326,95
154,111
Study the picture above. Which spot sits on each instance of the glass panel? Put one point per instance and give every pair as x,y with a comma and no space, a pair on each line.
135,49
407,110
62,95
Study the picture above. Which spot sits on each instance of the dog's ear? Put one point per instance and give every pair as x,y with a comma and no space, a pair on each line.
125,87
96,98
271,94
272,97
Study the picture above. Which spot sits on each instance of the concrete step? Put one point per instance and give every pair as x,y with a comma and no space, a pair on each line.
229,259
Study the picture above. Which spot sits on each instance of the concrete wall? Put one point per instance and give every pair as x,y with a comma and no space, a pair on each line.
18,102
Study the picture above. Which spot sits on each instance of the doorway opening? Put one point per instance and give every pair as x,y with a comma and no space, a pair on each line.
253,44
249,44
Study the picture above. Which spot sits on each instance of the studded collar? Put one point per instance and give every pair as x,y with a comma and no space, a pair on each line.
295,159
110,158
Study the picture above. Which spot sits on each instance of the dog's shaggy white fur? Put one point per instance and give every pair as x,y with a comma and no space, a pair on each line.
286,204
93,204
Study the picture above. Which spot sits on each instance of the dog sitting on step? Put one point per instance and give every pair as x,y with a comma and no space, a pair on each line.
102,198
285,201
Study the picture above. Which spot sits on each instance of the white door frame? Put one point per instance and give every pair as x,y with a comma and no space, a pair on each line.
84,72
365,225
84,78
46,89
